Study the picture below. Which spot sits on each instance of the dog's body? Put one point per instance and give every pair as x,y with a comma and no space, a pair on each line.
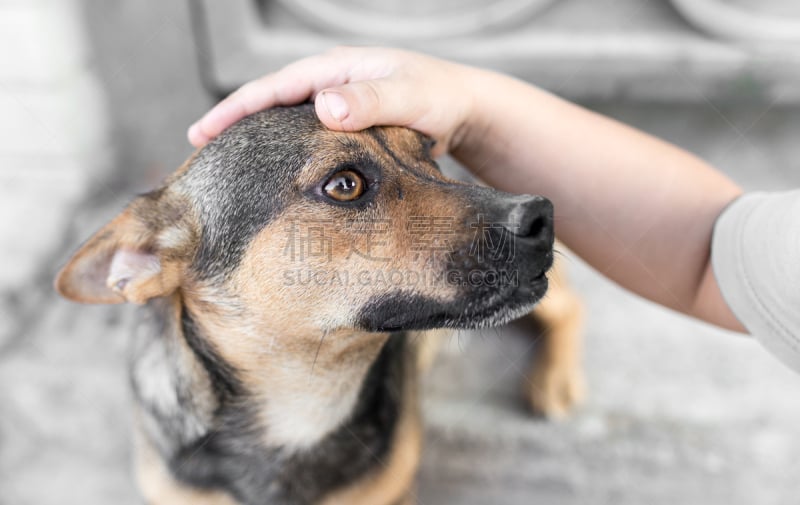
280,359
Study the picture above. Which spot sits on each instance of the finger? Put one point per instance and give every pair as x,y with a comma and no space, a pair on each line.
291,85
362,104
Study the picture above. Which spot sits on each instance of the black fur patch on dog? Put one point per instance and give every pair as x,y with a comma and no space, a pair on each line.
240,181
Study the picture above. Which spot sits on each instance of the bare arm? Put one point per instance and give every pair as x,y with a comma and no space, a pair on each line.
639,210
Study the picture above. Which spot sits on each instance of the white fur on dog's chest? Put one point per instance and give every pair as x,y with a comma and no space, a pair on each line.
298,417
304,402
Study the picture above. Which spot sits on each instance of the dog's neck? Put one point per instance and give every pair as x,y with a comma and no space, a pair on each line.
210,421
305,385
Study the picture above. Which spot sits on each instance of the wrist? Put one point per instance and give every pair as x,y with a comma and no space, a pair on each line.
486,93
472,120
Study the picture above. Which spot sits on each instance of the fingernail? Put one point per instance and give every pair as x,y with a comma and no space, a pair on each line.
195,136
335,104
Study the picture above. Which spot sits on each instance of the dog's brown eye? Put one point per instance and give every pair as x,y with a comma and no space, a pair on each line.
345,186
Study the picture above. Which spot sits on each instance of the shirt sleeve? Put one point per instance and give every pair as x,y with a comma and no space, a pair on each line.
756,259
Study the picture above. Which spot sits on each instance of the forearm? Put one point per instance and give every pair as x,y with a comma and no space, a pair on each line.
638,209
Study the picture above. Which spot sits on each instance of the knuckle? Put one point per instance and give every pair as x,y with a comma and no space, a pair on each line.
374,93
247,88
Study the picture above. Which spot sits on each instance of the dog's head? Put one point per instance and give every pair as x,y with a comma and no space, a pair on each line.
282,222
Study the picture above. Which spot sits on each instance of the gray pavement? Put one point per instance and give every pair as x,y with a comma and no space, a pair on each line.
678,412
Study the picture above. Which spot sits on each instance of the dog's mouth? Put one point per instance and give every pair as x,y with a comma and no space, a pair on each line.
480,308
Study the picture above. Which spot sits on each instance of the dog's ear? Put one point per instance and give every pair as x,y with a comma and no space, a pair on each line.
141,254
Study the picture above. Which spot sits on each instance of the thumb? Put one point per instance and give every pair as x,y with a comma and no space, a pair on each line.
362,104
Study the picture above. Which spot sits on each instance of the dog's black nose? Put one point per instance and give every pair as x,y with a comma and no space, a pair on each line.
530,218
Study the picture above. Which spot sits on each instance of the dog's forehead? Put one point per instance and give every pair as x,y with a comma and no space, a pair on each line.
267,144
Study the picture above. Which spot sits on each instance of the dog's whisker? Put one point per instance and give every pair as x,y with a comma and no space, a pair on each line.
316,355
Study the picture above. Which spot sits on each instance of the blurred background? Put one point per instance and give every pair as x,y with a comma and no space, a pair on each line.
96,96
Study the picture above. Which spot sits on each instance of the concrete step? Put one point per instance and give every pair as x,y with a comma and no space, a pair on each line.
615,50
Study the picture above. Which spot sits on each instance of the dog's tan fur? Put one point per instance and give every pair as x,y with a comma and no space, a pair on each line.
555,383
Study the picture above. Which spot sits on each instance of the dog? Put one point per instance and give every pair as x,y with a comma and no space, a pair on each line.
293,280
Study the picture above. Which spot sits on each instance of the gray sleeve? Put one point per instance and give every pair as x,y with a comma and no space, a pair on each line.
756,259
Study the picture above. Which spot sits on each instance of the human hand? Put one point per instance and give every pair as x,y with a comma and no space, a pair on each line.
355,88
